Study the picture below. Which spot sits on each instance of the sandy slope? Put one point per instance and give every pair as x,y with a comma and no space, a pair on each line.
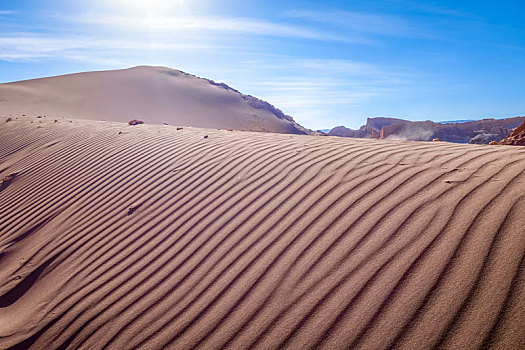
155,95
157,238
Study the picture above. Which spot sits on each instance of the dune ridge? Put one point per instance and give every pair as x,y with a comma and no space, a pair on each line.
161,238
155,95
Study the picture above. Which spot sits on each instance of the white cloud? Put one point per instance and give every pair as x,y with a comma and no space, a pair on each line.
214,26
315,91
366,23
27,46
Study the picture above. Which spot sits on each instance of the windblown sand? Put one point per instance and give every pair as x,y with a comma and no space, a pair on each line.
160,238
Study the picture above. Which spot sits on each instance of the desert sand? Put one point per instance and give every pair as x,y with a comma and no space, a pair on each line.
148,237
155,95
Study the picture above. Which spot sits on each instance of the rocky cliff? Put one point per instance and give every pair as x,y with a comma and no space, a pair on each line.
516,138
480,131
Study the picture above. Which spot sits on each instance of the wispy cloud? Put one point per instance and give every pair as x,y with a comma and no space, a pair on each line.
344,70
216,25
363,23
431,8
27,46
7,12
315,90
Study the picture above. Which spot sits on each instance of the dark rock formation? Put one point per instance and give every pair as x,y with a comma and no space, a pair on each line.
516,138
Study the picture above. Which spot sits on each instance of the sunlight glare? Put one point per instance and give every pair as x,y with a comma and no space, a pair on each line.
151,7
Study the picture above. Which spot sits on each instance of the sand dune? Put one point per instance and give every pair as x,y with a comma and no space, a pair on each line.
155,95
160,238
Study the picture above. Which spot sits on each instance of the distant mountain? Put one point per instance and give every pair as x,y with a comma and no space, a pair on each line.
480,131
457,121
155,95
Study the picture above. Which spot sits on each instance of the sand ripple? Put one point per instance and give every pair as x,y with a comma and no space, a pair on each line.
159,238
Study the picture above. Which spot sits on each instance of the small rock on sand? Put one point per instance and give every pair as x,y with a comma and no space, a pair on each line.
8,178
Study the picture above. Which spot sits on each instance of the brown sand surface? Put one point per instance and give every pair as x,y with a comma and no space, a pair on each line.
155,95
156,238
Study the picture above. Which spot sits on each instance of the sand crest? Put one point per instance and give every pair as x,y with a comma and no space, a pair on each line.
155,95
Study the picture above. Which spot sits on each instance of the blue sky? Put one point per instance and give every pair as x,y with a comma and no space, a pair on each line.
325,63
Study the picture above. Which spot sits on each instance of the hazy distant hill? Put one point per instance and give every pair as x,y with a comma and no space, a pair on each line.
456,121
152,94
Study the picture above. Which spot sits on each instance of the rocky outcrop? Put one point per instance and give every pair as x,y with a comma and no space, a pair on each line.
364,132
485,139
378,123
481,131
342,131
516,138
